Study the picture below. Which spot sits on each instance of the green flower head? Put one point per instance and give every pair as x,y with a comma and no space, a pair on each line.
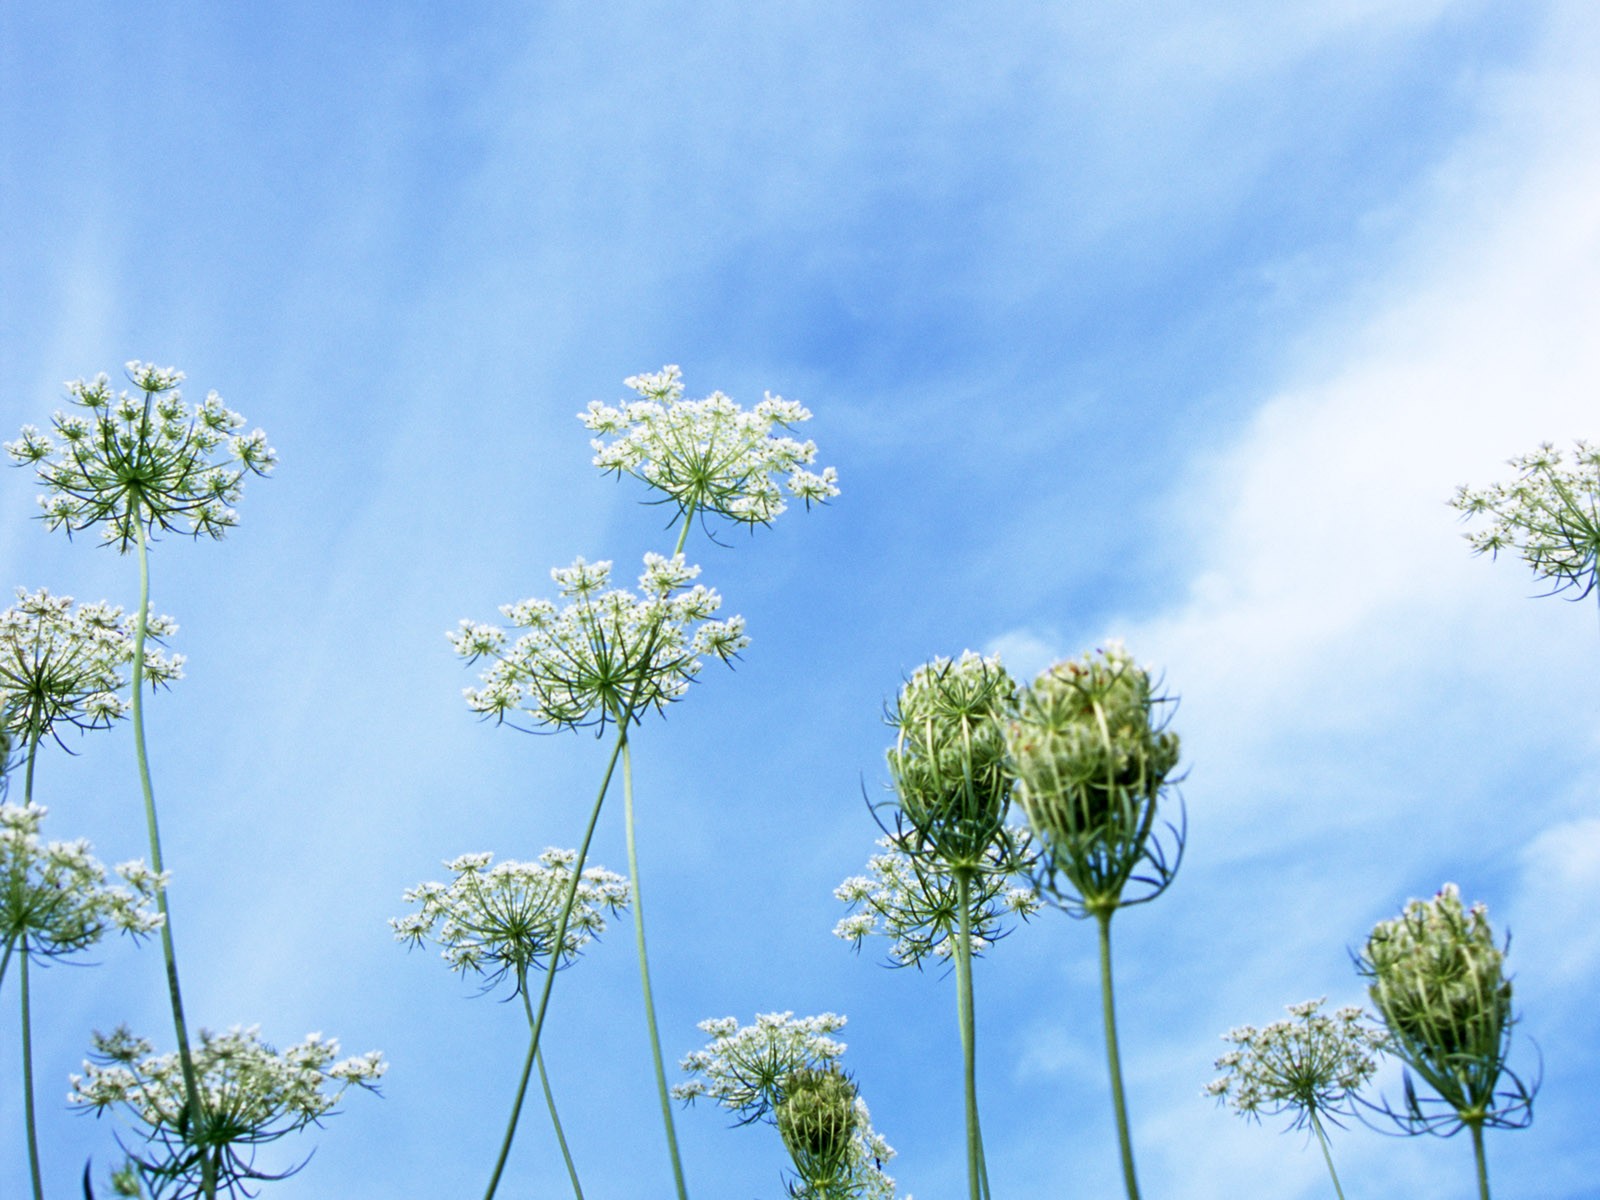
948,762
1092,753
1437,978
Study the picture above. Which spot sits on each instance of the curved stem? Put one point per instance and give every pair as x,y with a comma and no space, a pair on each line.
550,1099
644,976
977,1175
1109,1013
191,1086
27,1081
1483,1164
1327,1154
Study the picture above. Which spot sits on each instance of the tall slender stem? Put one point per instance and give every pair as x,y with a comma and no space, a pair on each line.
193,1101
1478,1157
1113,1055
1327,1154
977,1175
549,1096
550,975
624,718
27,1080
644,976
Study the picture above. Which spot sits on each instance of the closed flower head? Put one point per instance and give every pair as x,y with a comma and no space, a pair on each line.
948,762
816,1117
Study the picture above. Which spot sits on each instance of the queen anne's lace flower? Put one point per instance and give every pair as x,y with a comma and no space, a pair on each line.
1312,1064
1438,981
1550,515
743,1067
61,665
709,456
143,461
503,919
748,1070
252,1094
949,758
1092,754
54,899
608,654
914,901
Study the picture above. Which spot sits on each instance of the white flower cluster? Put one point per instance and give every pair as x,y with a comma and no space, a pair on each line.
146,460
63,665
251,1094
709,456
608,654
504,919
1548,515
1314,1063
913,900
53,895
744,1068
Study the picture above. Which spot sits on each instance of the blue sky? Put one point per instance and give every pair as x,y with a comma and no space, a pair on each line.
1178,323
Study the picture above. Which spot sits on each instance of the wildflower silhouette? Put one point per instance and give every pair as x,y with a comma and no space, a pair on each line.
609,655
1311,1066
501,922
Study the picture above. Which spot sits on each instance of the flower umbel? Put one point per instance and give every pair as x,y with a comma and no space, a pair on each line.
61,665
1438,981
1092,753
915,901
949,758
785,1072
709,456
608,653
149,460
503,919
743,1067
252,1095
1312,1064
54,899
1548,515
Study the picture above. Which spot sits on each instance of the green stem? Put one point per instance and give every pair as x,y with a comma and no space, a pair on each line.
644,975
550,1101
550,975
1483,1165
27,1081
977,1175
34,731
1327,1154
623,718
1109,1013
193,1102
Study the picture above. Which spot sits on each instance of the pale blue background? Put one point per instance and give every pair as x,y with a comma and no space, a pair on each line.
1172,322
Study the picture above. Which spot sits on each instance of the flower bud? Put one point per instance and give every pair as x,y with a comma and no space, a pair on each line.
1438,979
1090,748
817,1116
949,758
